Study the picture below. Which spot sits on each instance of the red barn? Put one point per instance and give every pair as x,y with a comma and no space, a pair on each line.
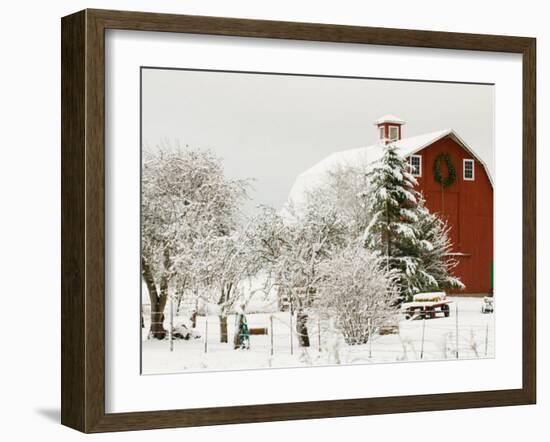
464,199
466,202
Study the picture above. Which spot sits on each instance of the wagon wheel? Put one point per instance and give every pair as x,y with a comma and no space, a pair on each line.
446,310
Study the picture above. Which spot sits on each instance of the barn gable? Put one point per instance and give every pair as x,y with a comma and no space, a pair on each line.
457,139
316,175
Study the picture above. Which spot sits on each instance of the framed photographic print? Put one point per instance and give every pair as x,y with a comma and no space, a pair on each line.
268,220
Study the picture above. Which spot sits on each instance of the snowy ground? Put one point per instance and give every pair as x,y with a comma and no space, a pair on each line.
475,340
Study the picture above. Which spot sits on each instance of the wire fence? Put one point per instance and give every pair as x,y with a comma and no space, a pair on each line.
276,333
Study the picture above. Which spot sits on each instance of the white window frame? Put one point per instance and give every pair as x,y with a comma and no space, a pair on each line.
396,135
464,162
382,132
419,174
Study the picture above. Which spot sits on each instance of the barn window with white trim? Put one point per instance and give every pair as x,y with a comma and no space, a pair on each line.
416,164
469,172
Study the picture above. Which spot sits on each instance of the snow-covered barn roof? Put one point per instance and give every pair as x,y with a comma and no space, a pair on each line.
315,176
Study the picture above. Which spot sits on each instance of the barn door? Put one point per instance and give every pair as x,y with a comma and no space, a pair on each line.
446,205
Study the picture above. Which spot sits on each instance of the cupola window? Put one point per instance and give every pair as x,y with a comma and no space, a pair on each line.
394,133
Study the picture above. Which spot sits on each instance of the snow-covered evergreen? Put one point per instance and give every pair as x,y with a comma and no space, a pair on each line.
392,203
411,240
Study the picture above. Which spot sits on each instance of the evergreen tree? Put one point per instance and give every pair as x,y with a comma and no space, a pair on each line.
410,240
392,203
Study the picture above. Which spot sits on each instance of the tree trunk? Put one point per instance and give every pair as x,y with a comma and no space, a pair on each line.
301,328
223,328
195,309
158,302
222,302
157,321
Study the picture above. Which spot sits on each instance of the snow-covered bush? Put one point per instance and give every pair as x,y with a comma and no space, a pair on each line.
357,292
184,331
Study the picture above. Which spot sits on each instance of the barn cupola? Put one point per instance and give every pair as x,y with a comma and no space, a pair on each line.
389,128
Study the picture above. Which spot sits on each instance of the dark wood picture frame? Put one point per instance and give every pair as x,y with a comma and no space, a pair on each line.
83,220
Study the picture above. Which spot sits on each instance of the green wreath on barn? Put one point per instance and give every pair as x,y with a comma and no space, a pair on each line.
451,177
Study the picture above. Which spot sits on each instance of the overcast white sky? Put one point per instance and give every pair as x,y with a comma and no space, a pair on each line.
273,127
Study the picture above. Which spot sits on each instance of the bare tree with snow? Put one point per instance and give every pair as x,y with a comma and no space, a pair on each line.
228,262
292,247
344,189
186,199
